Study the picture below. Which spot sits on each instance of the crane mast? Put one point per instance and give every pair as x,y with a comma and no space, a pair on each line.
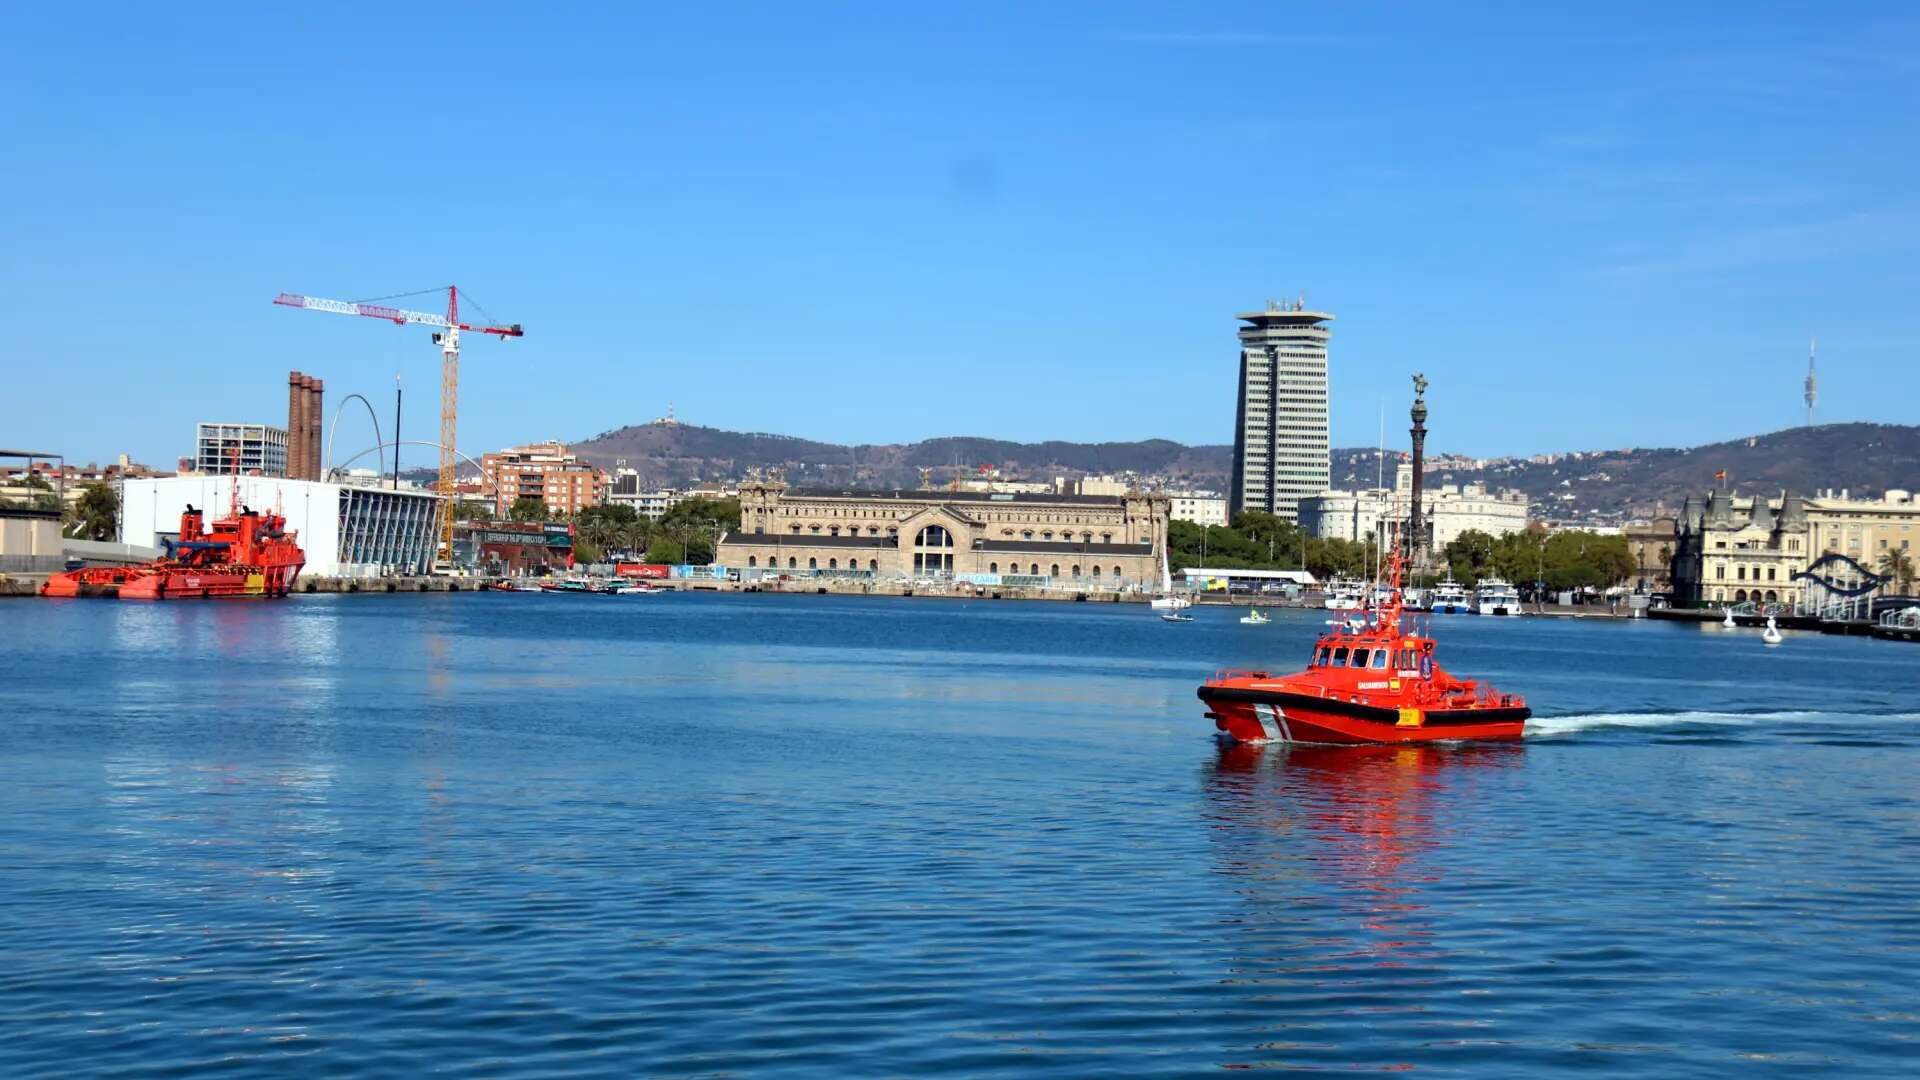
448,338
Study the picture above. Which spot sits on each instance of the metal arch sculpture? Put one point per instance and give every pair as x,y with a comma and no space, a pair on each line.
335,426
1869,581
390,445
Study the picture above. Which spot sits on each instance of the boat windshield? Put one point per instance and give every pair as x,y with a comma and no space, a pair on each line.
1360,657
1324,653
1380,659
1339,657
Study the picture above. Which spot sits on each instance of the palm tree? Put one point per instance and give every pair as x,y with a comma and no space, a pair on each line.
1897,566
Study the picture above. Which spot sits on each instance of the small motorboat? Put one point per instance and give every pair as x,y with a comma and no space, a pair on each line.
1371,681
1772,633
1254,618
1176,616
634,588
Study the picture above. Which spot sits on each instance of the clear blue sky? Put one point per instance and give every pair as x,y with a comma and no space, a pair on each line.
1610,227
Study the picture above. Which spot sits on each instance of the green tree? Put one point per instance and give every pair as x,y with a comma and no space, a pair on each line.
96,516
527,508
47,500
1898,565
472,510
665,549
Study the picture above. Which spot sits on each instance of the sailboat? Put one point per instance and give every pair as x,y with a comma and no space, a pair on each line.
1167,601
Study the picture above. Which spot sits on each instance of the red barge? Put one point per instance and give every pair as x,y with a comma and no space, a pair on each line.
247,554
1370,680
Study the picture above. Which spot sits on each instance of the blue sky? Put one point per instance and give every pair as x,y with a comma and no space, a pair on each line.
1615,226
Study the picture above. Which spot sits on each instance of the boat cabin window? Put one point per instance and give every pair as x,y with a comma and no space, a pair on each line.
1380,659
1339,657
1325,653
1360,657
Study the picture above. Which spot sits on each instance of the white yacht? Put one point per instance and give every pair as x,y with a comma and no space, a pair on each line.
1496,597
1345,594
1449,597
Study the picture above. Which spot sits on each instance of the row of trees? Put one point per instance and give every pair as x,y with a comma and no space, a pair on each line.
1260,541
1572,559
687,533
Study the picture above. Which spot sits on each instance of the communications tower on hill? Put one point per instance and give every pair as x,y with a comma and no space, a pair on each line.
1812,391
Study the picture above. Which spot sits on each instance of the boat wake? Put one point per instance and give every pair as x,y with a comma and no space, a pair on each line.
1830,722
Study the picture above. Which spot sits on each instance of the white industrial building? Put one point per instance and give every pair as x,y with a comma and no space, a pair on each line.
1199,507
1454,509
346,530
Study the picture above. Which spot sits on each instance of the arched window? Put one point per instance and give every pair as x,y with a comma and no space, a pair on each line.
1106,538
1772,596
795,527
833,564
1026,534
1048,535
1096,573
933,551
833,531
1055,571
1034,569
1740,596
792,563
815,529
893,530
752,562
993,568
873,565
813,564
1076,569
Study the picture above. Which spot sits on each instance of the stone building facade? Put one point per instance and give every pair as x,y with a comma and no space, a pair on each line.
1093,540
1730,549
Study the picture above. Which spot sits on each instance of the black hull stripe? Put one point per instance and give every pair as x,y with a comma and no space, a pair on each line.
1373,713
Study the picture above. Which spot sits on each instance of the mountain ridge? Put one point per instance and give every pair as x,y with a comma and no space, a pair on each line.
1592,485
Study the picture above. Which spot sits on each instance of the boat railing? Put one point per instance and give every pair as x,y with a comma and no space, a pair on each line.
1221,674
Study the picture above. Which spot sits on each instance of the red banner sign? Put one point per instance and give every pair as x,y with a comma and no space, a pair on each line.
643,570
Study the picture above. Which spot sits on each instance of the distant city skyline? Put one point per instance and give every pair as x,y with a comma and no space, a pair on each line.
883,225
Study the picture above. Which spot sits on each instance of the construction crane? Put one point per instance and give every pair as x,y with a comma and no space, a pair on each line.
448,338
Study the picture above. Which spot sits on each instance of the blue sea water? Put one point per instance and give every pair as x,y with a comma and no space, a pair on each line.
718,835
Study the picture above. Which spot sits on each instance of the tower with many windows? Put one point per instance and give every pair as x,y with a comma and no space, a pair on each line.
1280,448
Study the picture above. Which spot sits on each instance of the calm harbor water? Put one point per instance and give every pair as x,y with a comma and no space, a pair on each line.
707,835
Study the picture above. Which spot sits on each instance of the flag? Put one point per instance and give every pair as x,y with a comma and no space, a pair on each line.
1721,475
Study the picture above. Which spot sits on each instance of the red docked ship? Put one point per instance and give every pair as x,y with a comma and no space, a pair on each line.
1368,681
243,555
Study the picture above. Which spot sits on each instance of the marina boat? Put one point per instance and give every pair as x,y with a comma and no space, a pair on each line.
1167,601
1376,682
1176,616
634,588
247,554
1494,596
1449,597
1345,594
1254,618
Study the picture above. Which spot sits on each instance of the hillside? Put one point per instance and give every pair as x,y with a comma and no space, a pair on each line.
1593,485
670,454
1608,484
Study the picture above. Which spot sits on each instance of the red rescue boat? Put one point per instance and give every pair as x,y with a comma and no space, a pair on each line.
1370,680
246,554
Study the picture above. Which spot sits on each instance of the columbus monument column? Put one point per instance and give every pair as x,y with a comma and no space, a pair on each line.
1417,524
